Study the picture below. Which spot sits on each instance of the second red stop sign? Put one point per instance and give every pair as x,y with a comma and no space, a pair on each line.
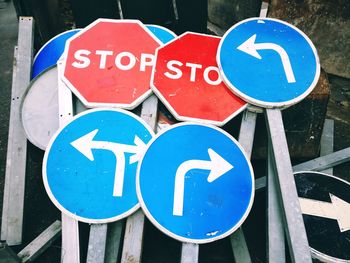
186,79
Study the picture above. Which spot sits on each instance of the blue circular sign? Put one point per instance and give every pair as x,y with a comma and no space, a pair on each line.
162,33
195,183
268,62
89,167
49,54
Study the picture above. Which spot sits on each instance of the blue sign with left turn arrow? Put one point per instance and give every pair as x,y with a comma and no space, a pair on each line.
268,62
89,167
195,183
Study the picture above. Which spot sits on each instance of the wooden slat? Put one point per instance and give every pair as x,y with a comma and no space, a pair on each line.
132,247
293,221
189,253
70,227
41,243
13,202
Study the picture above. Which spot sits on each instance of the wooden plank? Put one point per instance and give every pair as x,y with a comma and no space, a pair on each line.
189,253
97,243
70,227
246,139
132,247
41,243
327,142
293,221
13,202
275,230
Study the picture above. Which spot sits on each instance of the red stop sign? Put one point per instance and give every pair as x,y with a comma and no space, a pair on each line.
186,79
109,63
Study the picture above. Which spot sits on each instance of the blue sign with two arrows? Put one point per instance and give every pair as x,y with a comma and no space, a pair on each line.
89,167
195,183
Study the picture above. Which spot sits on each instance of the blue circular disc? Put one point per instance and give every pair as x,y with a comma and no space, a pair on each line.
195,183
268,62
89,167
49,54
162,33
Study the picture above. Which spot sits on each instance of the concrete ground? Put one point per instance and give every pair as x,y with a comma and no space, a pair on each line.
40,213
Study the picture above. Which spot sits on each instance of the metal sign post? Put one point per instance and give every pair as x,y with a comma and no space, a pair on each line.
13,202
70,228
293,221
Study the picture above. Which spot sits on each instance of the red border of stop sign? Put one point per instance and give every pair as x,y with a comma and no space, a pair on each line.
186,79
109,63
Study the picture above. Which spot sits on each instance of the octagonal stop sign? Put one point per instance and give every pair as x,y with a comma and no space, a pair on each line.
109,63
186,79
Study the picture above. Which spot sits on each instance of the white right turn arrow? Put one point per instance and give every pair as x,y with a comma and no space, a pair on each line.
338,209
251,48
217,166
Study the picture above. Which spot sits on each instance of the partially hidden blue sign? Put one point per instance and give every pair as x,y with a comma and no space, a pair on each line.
49,54
268,62
195,183
162,33
89,167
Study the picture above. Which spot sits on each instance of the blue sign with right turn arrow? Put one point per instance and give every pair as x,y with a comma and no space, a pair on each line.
268,62
195,183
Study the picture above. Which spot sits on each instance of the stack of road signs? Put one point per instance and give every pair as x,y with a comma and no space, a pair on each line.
194,181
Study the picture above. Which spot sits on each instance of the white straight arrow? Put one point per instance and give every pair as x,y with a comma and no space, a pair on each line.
217,165
250,47
85,144
338,209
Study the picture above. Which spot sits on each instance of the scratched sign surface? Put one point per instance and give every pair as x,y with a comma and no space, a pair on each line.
89,167
205,188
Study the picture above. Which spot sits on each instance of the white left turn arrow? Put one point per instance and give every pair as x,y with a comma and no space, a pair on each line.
338,209
86,143
217,166
251,48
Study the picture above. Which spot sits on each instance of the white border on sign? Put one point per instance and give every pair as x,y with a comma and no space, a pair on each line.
88,104
44,173
26,123
315,253
262,103
166,231
168,105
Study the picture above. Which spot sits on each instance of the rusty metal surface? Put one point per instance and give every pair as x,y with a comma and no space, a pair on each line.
327,23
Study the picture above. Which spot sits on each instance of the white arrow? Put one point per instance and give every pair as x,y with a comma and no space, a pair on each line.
85,144
338,209
217,166
250,47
